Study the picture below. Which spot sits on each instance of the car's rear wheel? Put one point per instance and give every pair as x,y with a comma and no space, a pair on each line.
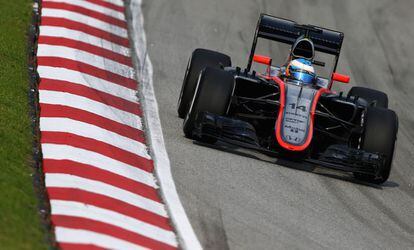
380,134
200,59
213,94
374,97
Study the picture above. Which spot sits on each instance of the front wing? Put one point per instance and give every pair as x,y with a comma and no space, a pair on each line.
211,128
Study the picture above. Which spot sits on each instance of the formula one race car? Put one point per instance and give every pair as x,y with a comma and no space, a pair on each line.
289,111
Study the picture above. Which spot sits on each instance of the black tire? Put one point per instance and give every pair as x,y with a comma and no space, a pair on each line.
200,59
213,94
373,97
380,134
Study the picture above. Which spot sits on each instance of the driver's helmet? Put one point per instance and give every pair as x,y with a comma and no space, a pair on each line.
301,70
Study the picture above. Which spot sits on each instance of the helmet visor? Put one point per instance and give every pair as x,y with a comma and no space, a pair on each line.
303,76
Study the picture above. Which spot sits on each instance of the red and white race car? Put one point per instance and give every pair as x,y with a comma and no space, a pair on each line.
289,111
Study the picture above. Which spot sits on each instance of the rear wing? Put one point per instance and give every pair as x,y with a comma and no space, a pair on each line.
287,31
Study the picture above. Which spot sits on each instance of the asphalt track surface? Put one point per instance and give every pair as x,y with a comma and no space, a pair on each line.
241,203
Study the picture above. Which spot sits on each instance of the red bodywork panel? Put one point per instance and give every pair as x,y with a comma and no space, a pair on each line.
262,59
340,78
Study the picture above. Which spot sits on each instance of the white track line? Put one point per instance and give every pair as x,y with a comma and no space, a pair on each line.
76,35
85,57
77,77
93,7
71,181
96,23
77,209
77,236
83,103
94,132
185,233
65,152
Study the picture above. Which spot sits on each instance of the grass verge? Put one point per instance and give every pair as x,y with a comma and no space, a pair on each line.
20,226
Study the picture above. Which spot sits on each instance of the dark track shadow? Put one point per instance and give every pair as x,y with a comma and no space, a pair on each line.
390,184
297,165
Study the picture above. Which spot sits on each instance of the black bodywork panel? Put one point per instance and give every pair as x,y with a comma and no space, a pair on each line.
287,31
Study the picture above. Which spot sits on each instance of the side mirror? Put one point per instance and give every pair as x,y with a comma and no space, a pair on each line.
262,59
340,78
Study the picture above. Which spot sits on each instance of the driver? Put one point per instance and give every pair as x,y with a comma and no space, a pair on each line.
300,69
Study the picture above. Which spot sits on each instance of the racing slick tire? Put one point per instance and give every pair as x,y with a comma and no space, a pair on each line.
213,94
380,134
200,59
373,97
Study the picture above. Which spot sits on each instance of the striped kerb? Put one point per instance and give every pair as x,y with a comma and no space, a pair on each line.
98,171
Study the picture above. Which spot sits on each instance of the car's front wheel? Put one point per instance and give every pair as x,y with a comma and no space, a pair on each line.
380,134
212,94
200,59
